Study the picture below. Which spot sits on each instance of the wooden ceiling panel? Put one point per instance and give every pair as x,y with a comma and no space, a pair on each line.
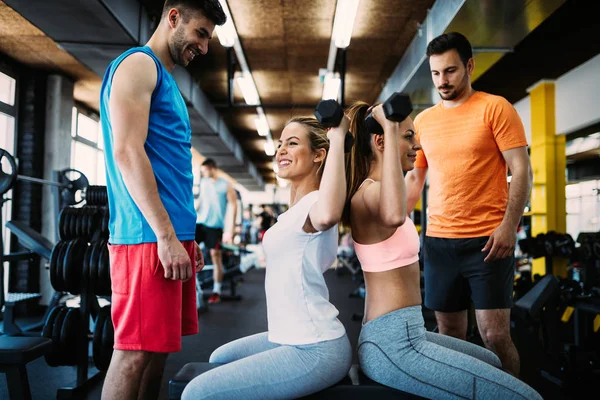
309,9
13,24
303,31
273,87
239,118
265,54
257,18
377,23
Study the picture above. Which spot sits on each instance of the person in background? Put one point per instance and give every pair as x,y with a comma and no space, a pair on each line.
216,194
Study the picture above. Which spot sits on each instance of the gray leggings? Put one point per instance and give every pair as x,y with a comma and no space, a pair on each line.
258,369
396,350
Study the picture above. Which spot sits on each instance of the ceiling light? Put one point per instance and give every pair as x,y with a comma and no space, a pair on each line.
269,147
331,86
345,13
246,84
226,33
262,126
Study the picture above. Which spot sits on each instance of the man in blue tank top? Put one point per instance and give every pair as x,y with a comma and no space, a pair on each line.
147,139
216,194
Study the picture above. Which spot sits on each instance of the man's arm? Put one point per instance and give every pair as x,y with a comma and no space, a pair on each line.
520,185
503,240
132,87
415,181
232,200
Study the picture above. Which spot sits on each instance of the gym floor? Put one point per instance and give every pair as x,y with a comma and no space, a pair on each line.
231,320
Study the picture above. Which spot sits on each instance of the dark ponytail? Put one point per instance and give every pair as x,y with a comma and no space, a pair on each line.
358,160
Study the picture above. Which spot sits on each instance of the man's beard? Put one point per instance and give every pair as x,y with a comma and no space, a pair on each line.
176,47
454,94
450,96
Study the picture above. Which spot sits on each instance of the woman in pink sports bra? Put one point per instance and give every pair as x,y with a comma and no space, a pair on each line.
394,348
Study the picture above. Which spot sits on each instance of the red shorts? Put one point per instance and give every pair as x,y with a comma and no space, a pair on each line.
149,312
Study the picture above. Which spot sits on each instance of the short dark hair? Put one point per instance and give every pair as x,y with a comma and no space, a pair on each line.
451,41
211,9
209,162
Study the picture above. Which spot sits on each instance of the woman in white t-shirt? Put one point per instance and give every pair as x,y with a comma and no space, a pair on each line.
306,348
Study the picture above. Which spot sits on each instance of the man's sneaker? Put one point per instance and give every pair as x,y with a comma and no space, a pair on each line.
214,298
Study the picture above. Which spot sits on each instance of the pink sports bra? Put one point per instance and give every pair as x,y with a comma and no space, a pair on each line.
399,250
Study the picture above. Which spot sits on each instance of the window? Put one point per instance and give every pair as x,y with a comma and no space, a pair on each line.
583,207
7,142
87,148
7,89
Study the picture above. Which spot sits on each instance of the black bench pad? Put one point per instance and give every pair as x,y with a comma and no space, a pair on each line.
21,350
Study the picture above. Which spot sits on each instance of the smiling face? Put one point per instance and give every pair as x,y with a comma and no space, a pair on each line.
189,35
295,157
407,142
408,145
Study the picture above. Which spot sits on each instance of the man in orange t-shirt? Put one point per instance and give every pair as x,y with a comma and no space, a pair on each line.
469,139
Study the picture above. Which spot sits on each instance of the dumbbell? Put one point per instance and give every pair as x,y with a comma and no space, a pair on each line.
396,108
329,113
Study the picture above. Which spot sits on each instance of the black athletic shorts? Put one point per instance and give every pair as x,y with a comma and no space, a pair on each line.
455,274
212,237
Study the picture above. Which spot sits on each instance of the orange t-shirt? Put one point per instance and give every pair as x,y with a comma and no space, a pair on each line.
462,148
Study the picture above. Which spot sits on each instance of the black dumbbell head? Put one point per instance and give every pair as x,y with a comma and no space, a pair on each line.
329,113
397,107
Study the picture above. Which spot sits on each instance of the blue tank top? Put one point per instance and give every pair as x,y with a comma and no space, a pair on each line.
168,146
213,203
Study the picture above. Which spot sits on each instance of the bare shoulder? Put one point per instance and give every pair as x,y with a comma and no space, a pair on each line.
136,71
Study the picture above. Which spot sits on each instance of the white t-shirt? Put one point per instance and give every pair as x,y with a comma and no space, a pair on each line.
298,307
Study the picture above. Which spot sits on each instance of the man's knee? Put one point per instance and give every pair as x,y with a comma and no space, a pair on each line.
453,323
133,360
495,338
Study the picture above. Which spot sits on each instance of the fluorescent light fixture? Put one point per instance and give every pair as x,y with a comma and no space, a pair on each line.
246,84
345,13
269,147
226,33
262,125
331,86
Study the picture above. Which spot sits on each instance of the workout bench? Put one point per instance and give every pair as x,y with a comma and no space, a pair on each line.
354,386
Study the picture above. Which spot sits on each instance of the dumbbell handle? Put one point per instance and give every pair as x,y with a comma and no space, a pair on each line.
372,125
348,139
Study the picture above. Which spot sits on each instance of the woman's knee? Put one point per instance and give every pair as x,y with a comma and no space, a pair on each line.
197,388
220,356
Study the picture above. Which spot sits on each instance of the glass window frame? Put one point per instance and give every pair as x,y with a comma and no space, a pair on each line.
9,68
83,110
